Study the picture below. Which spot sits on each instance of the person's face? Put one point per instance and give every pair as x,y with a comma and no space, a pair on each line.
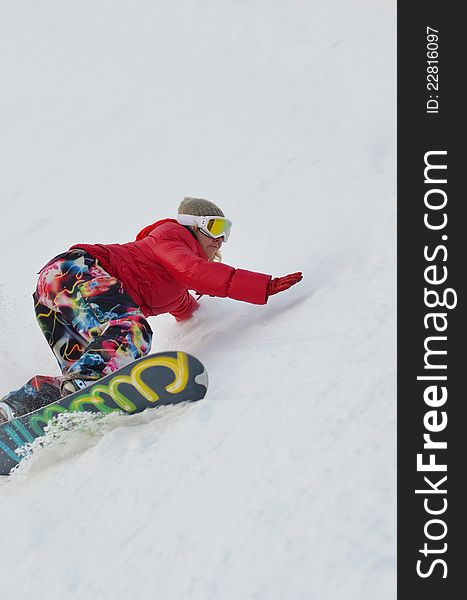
210,245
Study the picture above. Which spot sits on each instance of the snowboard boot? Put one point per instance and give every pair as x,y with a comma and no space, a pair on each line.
39,392
70,384
36,393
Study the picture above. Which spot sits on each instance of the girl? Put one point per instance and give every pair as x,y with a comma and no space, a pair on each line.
92,301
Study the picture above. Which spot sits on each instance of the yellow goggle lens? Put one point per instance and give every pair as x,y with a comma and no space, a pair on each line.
218,226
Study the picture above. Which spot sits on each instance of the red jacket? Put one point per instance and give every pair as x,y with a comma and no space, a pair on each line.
164,262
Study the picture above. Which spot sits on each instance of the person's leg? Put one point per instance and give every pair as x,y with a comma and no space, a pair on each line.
91,324
65,342
96,327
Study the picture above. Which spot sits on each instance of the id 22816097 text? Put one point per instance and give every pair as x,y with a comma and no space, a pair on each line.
432,71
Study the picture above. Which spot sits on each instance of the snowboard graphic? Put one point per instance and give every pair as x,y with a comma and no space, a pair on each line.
154,380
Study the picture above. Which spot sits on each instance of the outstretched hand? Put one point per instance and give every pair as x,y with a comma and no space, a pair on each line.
280,284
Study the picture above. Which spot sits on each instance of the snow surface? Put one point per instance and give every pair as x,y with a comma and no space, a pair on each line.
281,483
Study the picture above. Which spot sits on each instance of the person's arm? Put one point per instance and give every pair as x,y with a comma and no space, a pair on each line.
216,279
205,277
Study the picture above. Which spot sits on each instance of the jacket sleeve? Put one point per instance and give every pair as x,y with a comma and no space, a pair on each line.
185,308
206,277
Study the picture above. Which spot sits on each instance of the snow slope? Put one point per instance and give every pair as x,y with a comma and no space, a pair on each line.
281,483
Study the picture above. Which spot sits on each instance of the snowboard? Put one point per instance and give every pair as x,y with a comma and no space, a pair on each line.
154,380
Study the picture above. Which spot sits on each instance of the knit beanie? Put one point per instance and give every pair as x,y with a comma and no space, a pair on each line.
199,208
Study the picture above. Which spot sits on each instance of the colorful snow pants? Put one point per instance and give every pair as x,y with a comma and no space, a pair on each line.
91,324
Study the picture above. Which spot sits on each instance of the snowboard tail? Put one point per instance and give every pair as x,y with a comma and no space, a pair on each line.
158,379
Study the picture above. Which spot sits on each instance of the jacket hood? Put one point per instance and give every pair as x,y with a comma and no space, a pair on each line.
147,230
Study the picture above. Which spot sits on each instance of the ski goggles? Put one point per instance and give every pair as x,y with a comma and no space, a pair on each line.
213,227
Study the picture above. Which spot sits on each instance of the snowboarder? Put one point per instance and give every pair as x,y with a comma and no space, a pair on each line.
92,301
